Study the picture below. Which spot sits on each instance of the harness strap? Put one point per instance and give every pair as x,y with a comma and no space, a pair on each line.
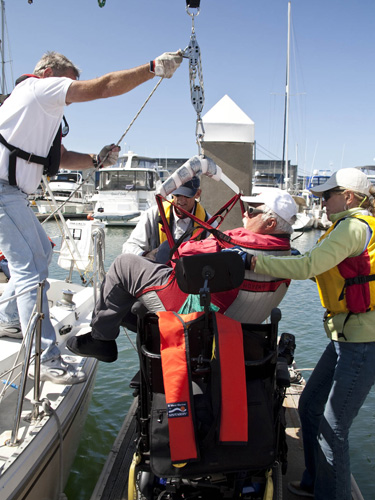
233,407
263,286
20,153
204,228
357,280
223,239
164,220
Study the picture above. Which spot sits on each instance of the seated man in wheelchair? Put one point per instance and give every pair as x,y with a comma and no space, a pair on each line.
266,228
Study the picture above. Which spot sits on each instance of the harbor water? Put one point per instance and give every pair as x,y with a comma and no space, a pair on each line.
301,315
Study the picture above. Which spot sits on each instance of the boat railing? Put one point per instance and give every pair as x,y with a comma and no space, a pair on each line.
32,336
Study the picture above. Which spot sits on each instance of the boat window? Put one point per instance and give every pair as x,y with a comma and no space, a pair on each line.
143,163
141,180
125,180
68,177
150,180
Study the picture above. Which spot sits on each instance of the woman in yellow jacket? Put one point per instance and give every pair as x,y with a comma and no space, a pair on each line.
343,264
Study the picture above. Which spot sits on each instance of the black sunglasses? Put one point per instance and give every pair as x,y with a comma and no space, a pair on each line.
327,194
251,211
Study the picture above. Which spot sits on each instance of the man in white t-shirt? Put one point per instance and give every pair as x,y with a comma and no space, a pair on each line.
29,123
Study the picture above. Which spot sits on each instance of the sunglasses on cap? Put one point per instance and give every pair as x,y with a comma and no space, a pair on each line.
327,194
252,212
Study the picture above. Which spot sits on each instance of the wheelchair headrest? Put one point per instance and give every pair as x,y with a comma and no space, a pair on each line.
224,270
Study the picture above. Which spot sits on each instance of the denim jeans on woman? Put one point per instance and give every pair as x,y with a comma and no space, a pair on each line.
333,395
28,251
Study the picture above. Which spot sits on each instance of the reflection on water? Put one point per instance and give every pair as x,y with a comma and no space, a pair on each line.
301,315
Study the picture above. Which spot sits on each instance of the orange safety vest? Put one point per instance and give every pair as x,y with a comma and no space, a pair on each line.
177,378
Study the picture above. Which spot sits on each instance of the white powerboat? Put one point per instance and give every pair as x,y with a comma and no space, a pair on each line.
127,189
41,422
70,191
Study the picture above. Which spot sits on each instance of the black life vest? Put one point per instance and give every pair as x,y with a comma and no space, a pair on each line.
51,162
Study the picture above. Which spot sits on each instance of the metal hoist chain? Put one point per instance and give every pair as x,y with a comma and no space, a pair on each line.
193,52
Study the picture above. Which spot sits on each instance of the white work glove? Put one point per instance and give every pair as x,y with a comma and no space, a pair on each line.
108,155
166,64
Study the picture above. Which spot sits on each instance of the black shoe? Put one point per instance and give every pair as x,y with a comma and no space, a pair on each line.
85,345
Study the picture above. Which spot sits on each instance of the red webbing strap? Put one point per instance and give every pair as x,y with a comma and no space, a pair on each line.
228,207
175,366
165,222
233,412
263,286
223,239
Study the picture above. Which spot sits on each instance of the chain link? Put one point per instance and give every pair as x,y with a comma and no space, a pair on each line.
193,52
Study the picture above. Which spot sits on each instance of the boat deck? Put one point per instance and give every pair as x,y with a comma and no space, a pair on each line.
112,483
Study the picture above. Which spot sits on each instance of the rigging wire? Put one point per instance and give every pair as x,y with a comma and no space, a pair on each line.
90,176
5,36
192,52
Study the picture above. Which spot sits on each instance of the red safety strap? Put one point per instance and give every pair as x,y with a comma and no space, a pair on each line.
233,410
223,240
263,286
167,230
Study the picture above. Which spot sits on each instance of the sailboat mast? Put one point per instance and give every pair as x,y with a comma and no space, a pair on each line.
286,110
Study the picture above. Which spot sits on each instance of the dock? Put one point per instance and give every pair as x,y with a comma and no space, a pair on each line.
113,484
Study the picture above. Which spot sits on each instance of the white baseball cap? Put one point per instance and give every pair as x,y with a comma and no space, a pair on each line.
348,178
278,201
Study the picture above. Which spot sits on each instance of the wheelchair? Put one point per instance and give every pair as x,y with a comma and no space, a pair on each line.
249,468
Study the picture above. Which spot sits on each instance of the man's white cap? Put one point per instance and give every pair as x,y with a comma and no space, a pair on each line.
349,178
278,201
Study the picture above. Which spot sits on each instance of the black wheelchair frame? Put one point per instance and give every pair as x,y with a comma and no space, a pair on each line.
251,471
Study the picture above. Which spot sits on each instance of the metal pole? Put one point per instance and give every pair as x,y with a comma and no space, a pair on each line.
287,102
38,349
34,324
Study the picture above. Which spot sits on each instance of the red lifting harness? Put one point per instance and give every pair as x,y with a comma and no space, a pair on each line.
229,377
221,237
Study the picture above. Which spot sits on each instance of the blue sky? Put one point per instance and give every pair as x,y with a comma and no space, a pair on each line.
243,48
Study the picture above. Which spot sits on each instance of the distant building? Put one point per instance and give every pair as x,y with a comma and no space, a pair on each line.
270,173
266,172
171,164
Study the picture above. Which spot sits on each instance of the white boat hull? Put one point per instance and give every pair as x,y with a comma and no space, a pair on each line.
34,471
33,468
304,222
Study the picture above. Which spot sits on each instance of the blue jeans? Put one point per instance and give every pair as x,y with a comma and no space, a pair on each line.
28,251
328,405
4,267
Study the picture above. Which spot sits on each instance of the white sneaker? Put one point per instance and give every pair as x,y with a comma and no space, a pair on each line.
10,330
59,372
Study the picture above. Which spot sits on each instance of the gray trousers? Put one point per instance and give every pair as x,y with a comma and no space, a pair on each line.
128,275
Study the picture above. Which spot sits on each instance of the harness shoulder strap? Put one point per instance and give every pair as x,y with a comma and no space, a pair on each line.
51,163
